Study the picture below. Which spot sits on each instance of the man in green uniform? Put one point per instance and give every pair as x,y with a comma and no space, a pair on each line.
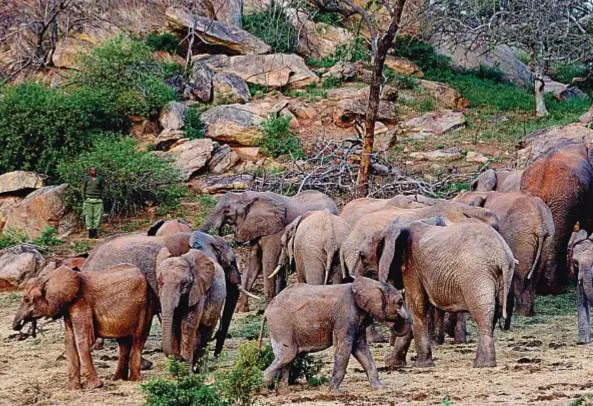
92,208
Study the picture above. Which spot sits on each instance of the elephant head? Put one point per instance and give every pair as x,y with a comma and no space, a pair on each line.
383,303
47,296
485,182
580,260
182,281
252,214
217,249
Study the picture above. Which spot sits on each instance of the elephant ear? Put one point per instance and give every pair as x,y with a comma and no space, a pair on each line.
486,182
394,241
477,201
369,296
203,269
155,227
263,216
575,238
163,254
60,289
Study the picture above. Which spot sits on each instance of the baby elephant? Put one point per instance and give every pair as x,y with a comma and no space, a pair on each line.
310,318
114,303
580,260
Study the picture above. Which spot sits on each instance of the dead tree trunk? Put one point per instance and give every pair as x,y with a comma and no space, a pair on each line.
539,84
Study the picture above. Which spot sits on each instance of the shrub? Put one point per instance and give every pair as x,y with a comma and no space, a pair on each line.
44,242
246,376
434,66
331,82
123,72
48,238
401,81
308,367
41,126
163,42
493,73
273,26
133,178
193,126
10,237
330,18
278,140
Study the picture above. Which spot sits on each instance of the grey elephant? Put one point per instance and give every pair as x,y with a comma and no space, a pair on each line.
500,180
162,228
309,318
580,260
260,219
527,225
312,244
192,291
464,266
356,209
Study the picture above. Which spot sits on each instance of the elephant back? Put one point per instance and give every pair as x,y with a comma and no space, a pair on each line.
310,200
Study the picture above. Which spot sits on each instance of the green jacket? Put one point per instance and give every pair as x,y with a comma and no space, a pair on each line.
93,188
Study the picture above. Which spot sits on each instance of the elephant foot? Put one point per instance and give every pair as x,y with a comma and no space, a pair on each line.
118,375
282,389
94,383
426,363
378,385
73,385
336,390
135,376
525,311
98,344
145,365
584,341
393,362
486,363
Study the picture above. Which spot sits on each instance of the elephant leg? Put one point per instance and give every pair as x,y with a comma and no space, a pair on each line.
342,351
283,356
460,328
437,325
400,349
254,267
524,298
82,324
189,327
283,382
138,342
72,356
121,371
271,249
373,335
422,342
362,353
583,313
483,314
510,307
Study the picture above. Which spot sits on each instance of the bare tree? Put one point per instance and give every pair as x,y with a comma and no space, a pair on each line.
550,31
382,39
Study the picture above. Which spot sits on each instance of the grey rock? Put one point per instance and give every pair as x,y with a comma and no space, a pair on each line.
199,86
172,116
18,264
167,138
229,88
191,156
223,159
21,181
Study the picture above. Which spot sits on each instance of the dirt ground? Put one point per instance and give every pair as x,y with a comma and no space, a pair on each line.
539,362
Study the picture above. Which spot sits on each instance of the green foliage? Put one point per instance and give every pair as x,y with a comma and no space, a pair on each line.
10,237
48,238
193,126
257,91
309,94
132,177
246,376
163,42
435,66
123,72
11,299
566,73
327,18
81,246
273,26
358,50
404,82
446,401
308,367
44,242
493,73
41,126
331,83
278,140
585,400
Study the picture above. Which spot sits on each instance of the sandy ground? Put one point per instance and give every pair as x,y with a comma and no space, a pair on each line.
539,362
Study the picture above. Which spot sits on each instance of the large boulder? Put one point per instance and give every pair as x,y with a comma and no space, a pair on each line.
19,182
191,156
544,141
46,207
215,33
236,124
229,88
226,11
346,111
223,159
319,40
7,203
18,264
172,116
275,70
435,123
445,95
199,86
403,66
168,138
587,118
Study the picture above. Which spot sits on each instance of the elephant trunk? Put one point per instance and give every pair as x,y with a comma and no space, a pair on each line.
232,297
587,281
403,323
213,222
169,301
19,320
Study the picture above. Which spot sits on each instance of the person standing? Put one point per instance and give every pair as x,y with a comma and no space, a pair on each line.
92,208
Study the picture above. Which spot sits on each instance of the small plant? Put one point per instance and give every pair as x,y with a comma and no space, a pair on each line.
257,91
308,367
278,140
446,401
163,42
12,299
331,82
273,26
48,238
585,400
493,73
10,237
81,246
405,82
327,18
194,127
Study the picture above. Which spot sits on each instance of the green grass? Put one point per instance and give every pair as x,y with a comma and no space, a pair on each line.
310,94
585,400
10,300
247,327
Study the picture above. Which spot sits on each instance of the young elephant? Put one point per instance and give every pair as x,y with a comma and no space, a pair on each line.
580,260
115,303
312,244
465,266
311,318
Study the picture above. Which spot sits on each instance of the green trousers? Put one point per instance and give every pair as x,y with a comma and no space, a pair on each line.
92,210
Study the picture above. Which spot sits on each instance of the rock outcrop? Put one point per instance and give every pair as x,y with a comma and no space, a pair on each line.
21,182
435,123
172,116
18,264
191,156
229,88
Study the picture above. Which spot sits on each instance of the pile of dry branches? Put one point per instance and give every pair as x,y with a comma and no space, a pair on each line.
332,168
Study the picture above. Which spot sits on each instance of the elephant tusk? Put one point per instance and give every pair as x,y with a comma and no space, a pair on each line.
516,262
251,295
278,268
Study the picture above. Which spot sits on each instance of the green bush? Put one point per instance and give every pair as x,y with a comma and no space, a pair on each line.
44,242
273,26
434,66
327,18
278,140
566,73
331,82
163,42
405,82
10,237
193,126
493,73
246,376
123,72
41,126
133,178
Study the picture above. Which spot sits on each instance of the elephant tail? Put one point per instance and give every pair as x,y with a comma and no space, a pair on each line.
330,245
261,333
540,244
345,274
508,270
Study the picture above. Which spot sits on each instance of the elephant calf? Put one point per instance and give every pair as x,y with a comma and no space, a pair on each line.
115,303
580,260
310,318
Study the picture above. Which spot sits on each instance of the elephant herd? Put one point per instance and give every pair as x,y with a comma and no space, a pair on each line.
416,263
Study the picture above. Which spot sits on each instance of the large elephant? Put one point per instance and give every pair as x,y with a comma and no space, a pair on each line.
192,290
260,218
113,304
526,224
163,228
580,260
501,181
464,266
364,235
311,243
356,209
563,179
